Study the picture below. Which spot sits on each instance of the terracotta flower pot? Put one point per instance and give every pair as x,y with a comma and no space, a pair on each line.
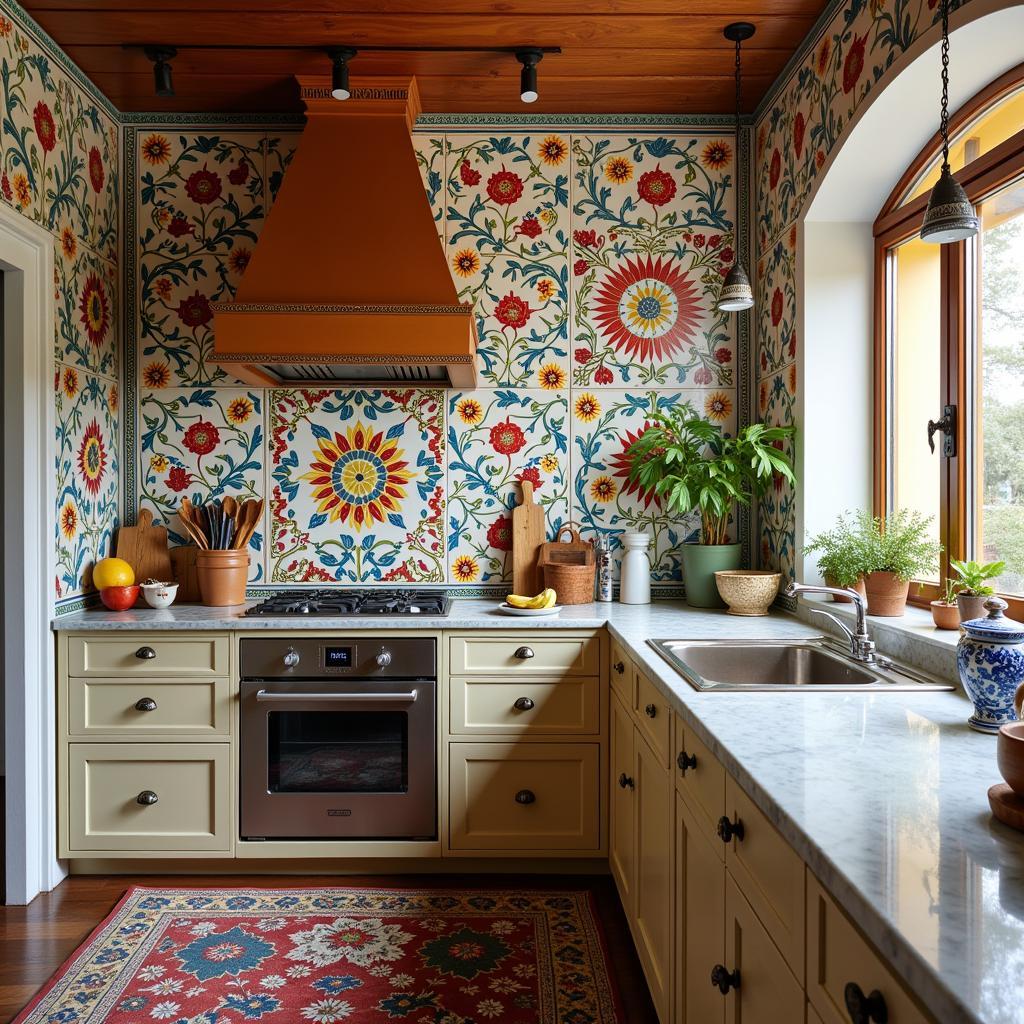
858,586
887,593
945,616
972,606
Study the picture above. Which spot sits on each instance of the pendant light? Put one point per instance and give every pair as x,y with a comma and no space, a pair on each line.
340,56
528,75
736,293
950,216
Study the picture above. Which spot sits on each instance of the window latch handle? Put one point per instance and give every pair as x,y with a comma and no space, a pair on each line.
947,425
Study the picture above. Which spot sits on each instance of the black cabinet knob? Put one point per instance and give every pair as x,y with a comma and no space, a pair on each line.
619,667
729,830
651,710
625,782
524,704
145,653
686,761
145,704
865,1009
525,796
523,653
724,979
147,798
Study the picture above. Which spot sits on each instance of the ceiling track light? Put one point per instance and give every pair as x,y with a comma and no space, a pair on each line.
163,82
340,56
528,76
736,293
950,216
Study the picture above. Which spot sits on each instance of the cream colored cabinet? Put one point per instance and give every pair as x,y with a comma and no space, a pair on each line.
622,675
170,655
622,804
699,921
700,778
525,706
524,655
654,716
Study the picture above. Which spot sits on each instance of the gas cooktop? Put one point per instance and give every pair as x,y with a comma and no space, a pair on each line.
356,601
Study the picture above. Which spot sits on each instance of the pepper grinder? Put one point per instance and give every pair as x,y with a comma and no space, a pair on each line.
635,583
603,549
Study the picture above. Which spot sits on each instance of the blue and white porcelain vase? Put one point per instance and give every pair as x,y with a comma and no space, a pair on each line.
990,660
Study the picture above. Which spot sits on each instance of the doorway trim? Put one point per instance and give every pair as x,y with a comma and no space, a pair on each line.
29,479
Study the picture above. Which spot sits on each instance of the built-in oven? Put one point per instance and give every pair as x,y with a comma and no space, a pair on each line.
338,738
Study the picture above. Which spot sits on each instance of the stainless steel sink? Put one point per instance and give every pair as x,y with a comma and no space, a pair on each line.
814,663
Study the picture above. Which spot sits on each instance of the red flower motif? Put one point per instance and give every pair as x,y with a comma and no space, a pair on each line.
203,186
582,355
727,255
178,479
195,311
201,438
507,438
530,226
799,127
92,458
775,170
819,159
180,226
46,130
854,63
714,241
531,475
239,175
620,465
656,187
95,310
702,376
587,238
792,345
499,534
776,307
96,169
602,375
504,187
512,311
468,175
5,186
723,355
580,267
699,241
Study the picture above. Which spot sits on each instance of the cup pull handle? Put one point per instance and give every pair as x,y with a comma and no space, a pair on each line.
525,796
524,704
145,704
145,653
523,653
147,798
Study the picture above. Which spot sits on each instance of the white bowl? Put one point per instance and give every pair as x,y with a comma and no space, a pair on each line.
159,595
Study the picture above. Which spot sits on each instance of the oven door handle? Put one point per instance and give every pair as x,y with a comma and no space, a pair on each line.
263,696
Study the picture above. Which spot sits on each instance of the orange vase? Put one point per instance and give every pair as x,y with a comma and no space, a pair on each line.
222,576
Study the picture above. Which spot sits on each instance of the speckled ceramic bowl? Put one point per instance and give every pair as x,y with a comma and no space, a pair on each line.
748,591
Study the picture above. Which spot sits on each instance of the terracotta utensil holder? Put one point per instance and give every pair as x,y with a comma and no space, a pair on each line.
222,576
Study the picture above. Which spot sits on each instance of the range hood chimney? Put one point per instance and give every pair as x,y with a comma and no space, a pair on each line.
348,282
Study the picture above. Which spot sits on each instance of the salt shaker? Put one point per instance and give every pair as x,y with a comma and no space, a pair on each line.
603,549
635,584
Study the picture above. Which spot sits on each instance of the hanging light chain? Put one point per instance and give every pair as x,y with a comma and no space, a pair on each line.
944,119
738,92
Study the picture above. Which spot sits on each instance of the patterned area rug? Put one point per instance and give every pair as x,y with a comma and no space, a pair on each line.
320,956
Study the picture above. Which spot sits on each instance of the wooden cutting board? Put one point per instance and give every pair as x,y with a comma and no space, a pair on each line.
184,561
527,537
144,547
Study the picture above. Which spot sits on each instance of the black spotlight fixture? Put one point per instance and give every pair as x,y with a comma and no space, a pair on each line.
736,293
528,76
163,83
340,56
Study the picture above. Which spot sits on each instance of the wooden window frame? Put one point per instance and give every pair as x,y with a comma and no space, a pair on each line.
897,223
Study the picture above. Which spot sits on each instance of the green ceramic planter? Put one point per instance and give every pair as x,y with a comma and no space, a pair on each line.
700,563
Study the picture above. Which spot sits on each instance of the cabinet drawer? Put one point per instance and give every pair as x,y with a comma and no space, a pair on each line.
554,706
107,781
525,654
139,655
770,874
132,707
702,785
485,780
622,675
654,716
838,955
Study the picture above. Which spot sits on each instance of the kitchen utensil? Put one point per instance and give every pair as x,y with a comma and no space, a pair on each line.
635,571
119,599
249,518
528,613
222,576
159,595
144,547
1006,805
748,591
527,537
183,560
990,661
186,513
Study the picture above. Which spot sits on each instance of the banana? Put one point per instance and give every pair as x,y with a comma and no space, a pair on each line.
550,598
518,601
545,599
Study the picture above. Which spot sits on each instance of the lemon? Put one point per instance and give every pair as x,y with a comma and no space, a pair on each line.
112,572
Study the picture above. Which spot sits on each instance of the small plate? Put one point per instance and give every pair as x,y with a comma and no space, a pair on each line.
507,609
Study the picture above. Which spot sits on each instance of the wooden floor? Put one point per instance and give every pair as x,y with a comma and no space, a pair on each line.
35,940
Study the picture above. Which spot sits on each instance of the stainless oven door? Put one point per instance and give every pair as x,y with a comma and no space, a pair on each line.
340,759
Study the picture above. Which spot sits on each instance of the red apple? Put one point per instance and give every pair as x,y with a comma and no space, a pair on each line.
119,599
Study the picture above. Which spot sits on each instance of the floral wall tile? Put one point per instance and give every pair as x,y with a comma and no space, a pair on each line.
430,157
495,439
278,150
652,238
94,147
87,330
357,486
201,444
87,442
604,424
776,305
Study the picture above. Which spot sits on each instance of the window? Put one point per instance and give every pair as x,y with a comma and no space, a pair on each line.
949,329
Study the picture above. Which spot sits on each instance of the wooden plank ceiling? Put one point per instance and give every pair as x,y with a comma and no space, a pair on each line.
618,56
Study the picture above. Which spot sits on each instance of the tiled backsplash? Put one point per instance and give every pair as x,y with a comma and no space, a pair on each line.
593,258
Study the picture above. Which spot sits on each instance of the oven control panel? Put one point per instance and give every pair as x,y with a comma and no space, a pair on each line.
323,657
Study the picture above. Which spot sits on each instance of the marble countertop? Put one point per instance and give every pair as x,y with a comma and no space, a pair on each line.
882,794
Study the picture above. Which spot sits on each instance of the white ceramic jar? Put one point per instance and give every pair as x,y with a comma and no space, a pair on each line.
635,579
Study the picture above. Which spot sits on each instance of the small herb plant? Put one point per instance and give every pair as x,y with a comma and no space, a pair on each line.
949,594
971,576
841,551
690,464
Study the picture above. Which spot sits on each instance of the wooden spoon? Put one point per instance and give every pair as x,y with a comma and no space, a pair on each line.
185,513
231,510
252,514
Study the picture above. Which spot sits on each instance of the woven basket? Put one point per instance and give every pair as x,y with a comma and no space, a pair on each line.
574,584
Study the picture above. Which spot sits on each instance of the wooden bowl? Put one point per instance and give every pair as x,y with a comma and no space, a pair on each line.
1010,755
748,591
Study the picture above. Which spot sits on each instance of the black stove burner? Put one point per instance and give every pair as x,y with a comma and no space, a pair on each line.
354,602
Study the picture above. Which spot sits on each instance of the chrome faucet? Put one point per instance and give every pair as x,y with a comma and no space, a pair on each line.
862,647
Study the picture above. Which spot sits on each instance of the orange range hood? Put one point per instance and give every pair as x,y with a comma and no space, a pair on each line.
348,282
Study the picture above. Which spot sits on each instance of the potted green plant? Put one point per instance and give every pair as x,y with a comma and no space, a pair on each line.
841,556
690,464
945,611
896,549
972,586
